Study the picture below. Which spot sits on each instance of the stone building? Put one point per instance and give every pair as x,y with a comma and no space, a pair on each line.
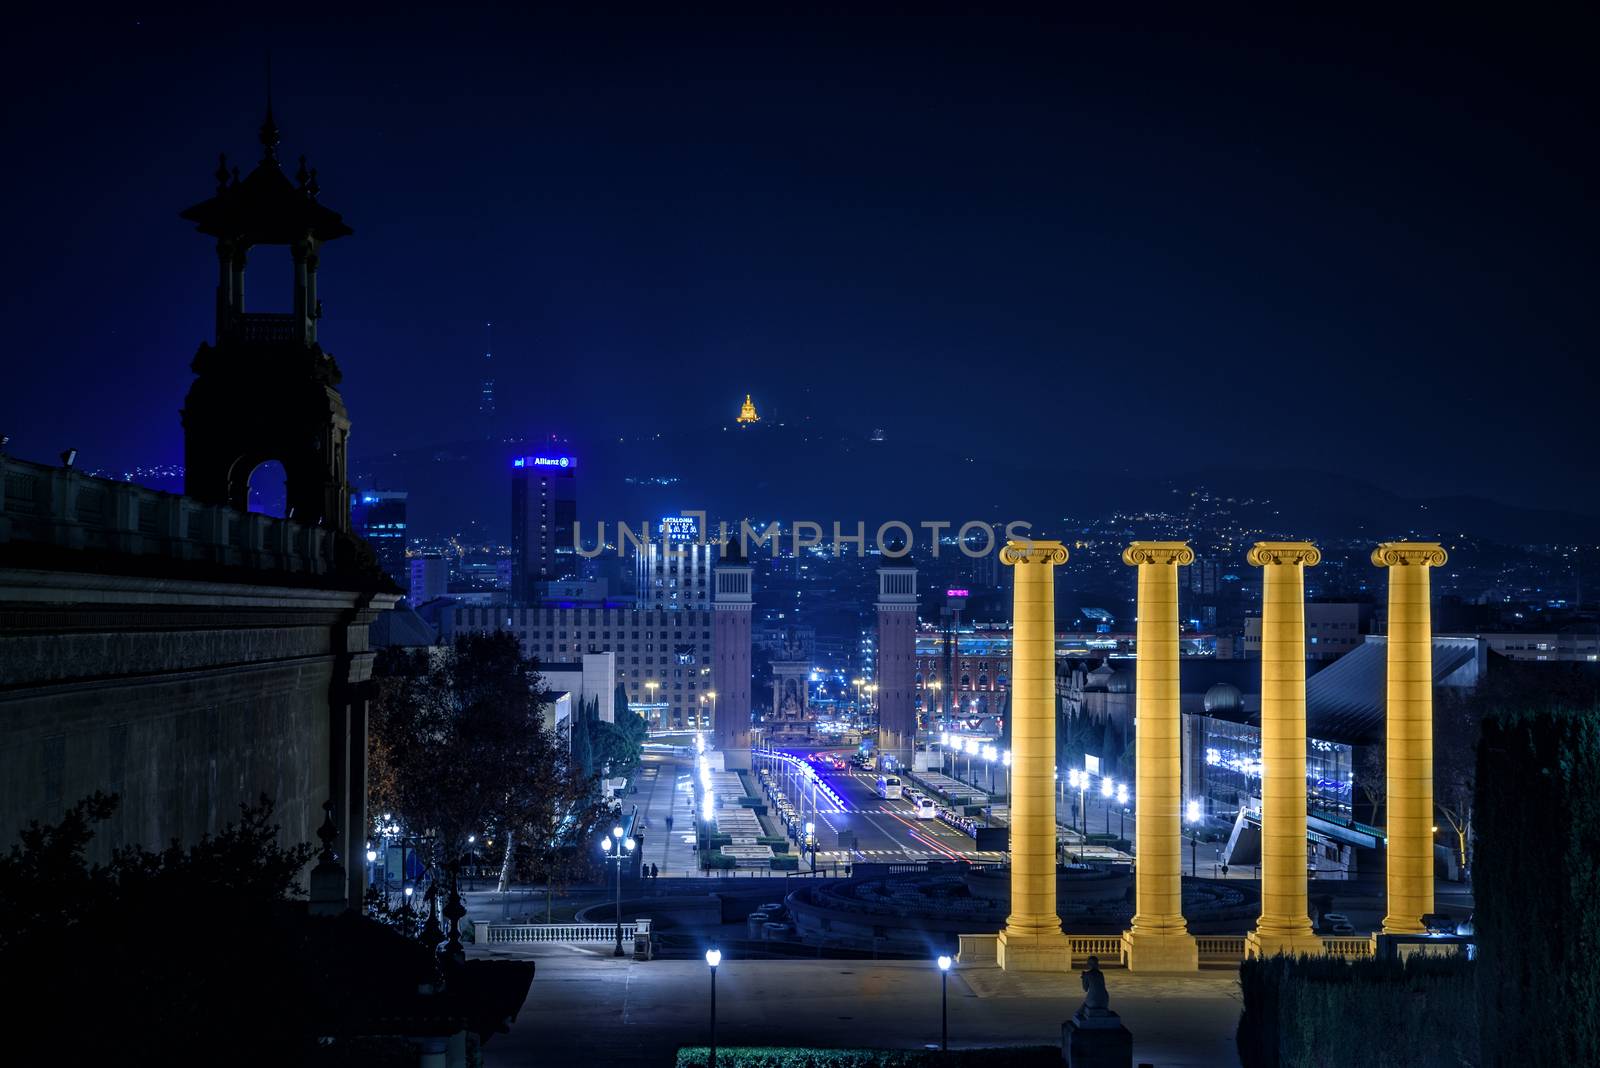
182,652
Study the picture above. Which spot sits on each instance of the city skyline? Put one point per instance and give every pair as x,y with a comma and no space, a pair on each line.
888,248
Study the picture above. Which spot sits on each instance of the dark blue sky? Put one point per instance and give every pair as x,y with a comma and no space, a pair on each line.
1152,247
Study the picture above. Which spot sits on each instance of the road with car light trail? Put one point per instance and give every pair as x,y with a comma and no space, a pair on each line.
885,831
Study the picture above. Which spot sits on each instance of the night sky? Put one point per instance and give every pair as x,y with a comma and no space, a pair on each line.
1149,247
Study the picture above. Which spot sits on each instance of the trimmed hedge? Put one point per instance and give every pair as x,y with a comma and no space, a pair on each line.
717,860
787,862
1536,884
783,1057
1315,1011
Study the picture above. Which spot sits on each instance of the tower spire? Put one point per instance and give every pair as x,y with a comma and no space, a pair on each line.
268,133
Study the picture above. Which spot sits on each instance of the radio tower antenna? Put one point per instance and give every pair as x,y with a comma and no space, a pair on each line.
486,387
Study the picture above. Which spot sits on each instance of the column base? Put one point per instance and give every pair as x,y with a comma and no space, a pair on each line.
1044,952
1160,951
1305,943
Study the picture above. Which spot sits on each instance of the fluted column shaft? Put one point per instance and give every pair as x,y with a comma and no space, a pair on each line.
1033,744
1032,939
1409,733
1158,938
1285,923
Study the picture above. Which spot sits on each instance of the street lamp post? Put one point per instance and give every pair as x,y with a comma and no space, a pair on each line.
811,843
1107,788
944,1002
713,958
617,852
1122,806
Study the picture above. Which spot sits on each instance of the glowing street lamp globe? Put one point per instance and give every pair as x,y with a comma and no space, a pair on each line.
713,957
944,962
1106,787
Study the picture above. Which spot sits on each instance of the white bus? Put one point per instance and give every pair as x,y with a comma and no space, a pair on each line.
889,787
926,809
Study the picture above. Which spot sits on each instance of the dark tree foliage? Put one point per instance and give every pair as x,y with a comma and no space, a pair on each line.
459,748
618,746
172,955
1316,1011
1537,886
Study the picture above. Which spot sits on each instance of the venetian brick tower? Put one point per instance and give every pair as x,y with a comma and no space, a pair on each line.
897,658
730,666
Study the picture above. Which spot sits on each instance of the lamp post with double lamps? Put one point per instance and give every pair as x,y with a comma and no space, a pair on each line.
617,852
811,843
1107,789
1122,810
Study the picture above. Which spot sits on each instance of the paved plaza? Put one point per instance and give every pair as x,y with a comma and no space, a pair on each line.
586,1007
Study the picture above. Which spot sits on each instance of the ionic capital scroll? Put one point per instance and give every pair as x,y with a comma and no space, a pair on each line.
1033,551
1263,553
1409,553
1158,552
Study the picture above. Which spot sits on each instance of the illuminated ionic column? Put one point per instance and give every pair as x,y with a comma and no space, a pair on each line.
1409,732
1285,923
1032,940
1158,939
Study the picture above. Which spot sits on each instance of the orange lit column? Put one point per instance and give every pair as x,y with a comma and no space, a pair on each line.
1032,940
1409,732
1285,922
1158,939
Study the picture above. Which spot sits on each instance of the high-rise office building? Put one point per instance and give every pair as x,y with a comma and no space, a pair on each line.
674,570
379,516
544,509
430,578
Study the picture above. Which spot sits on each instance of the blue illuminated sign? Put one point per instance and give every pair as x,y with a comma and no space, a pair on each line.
545,461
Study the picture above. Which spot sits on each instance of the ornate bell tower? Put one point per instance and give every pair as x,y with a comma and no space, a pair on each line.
264,389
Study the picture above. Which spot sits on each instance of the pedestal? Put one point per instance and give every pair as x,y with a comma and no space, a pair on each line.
1047,952
1096,1041
1160,951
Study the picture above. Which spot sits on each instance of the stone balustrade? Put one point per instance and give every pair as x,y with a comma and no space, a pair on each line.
46,505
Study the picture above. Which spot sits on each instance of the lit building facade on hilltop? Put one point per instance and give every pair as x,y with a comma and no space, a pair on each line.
747,412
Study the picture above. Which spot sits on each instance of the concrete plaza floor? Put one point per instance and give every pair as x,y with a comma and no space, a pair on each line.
586,1007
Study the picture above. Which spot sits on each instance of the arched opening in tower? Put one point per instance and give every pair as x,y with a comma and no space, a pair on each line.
269,489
